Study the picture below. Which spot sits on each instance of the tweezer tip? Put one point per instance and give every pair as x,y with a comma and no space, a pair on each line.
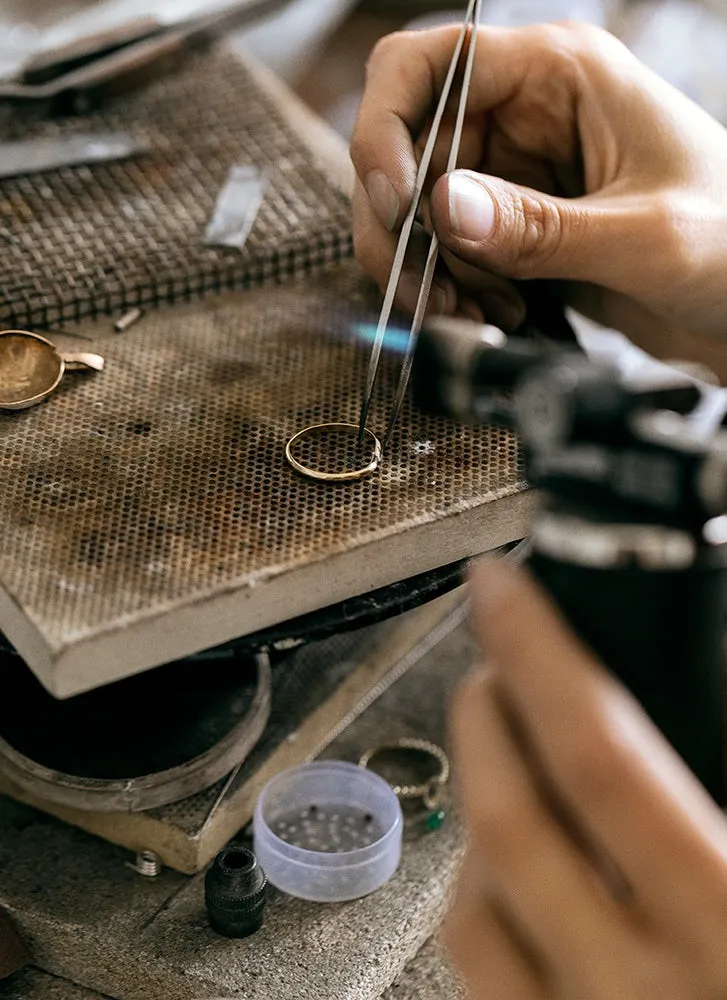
361,432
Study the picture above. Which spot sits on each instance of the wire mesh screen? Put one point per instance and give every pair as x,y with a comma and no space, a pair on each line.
79,242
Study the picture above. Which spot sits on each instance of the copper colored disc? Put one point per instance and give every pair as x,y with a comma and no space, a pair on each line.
30,369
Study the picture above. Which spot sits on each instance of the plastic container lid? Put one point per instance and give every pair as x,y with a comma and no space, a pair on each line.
328,831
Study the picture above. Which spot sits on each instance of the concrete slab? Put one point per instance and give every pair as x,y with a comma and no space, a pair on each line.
429,977
72,895
32,984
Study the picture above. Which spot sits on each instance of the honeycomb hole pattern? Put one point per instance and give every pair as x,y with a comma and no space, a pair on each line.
164,478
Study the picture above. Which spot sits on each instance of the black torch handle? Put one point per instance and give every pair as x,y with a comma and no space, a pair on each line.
661,633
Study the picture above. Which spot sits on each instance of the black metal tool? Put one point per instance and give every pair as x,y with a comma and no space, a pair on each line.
631,538
235,890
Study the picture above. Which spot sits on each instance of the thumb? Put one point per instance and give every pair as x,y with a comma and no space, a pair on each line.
519,232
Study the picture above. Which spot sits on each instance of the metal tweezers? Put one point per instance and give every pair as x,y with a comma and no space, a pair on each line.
468,33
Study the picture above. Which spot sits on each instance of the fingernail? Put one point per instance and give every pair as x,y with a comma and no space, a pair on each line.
383,198
408,294
471,208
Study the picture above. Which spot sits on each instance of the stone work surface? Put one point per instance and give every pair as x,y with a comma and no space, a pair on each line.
93,921
427,978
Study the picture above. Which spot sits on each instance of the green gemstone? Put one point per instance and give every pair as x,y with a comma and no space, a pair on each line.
435,821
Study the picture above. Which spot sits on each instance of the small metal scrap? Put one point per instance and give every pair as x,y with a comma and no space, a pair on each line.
129,319
36,156
237,208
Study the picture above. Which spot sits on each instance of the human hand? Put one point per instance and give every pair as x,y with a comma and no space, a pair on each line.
582,166
597,864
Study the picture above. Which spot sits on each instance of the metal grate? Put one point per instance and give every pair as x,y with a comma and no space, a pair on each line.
148,512
81,242
163,482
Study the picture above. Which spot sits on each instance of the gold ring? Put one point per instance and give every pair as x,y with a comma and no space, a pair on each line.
427,790
334,477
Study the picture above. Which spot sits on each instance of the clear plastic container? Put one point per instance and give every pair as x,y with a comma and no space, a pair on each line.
328,832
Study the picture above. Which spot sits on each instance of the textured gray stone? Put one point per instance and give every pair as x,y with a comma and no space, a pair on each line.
429,977
352,950
76,902
32,984
91,920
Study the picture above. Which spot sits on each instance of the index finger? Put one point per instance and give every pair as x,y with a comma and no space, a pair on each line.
632,793
405,77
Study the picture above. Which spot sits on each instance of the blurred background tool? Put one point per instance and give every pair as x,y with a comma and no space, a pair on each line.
630,535
77,76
